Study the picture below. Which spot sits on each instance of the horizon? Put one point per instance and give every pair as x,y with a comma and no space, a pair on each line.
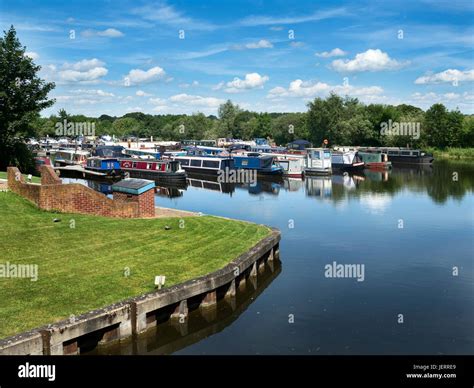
177,57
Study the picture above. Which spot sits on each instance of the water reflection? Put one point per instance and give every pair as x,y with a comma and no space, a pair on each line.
170,336
444,180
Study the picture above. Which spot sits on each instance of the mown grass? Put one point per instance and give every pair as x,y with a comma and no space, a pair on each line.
452,153
34,179
85,267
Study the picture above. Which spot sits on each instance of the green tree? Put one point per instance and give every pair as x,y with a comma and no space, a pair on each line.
436,124
227,113
22,96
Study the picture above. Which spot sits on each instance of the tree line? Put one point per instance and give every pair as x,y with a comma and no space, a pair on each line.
340,120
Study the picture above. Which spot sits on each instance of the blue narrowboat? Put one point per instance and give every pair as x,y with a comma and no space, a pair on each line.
108,166
264,164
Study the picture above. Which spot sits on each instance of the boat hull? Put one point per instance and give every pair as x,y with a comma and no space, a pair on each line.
348,167
411,159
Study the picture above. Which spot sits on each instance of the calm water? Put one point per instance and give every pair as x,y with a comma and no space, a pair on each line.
409,228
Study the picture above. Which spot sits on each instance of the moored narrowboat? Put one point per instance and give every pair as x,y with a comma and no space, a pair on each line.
398,155
375,160
263,164
204,165
169,170
109,166
70,158
346,161
318,161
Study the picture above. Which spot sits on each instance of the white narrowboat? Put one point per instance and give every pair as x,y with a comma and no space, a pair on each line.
318,161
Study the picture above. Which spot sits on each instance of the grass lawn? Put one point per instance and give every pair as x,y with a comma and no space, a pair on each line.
34,179
83,268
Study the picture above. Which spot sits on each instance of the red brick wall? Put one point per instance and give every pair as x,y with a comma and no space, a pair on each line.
145,201
48,176
17,184
76,198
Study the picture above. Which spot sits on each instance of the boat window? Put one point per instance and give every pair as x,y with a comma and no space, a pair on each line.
416,153
196,163
327,154
315,155
184,162
393,152
405,153
210,164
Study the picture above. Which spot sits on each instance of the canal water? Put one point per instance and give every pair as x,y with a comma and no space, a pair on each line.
407,232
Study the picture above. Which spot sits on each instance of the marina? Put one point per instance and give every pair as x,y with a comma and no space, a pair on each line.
339,202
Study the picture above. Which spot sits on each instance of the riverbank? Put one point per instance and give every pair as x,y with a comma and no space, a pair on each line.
452,153
87,262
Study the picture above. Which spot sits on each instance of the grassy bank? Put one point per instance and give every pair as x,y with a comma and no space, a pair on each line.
34,179
85,267
452,153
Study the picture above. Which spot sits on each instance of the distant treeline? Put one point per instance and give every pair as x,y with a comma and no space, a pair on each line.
343,121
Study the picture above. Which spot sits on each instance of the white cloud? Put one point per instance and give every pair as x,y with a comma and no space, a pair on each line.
108,33
370,60
253,21
94,92
335,52
157,101
449,75
84,65
276,28
251,81
137,76
167,15
296,44
84,71
263,43
308,89
141,93
193,100
188,85
31,54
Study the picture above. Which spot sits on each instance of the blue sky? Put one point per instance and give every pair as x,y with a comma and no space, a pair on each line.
114,57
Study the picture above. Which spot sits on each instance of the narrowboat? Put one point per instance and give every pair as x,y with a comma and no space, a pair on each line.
205,165
292,165
70,158
169,170
346,161
263,164
398,155
375,160
109,166
141,153
318,161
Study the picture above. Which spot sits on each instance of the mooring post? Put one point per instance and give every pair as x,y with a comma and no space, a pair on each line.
181,311
210,299
231,290
253,272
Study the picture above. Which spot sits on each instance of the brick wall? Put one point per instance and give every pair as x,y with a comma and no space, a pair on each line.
76,198
145,201
16,183
49,177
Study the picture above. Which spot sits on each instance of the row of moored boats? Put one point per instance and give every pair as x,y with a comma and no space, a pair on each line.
173,164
